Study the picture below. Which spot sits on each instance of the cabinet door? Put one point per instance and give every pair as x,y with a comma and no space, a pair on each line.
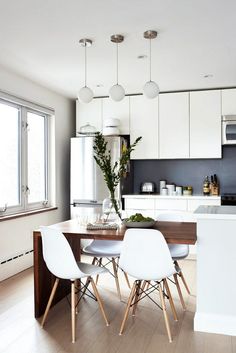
205,124
89,113
229,101
118,110
144,122
174,125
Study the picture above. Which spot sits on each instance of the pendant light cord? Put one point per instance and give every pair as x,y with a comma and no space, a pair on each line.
117,63
150,58
85,65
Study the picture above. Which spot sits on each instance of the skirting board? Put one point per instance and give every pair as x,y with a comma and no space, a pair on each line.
220,324
15,266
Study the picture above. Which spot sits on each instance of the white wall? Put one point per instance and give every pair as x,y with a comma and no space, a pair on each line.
16,234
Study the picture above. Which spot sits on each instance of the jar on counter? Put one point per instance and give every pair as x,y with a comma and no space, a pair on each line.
179,190
187,190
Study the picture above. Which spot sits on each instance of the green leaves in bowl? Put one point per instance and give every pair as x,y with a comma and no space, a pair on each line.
138,217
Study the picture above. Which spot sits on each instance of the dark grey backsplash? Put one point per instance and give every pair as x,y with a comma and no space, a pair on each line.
188,171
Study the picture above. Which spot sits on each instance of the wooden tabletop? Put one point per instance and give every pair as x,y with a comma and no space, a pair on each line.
174,232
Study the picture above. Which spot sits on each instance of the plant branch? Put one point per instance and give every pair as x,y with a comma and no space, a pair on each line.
112,173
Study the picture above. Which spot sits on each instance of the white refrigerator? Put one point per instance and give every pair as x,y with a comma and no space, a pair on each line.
87,188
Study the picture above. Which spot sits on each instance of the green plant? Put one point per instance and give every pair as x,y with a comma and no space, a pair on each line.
112,173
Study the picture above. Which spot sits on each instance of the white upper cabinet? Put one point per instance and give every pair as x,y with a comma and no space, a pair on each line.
144,122
229,101
118,110
89,113
205,124
174,125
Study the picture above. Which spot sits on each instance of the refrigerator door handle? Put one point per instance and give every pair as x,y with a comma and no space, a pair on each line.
87,204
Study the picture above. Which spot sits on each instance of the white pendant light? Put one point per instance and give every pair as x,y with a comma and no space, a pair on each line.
85,93
151,88
117,92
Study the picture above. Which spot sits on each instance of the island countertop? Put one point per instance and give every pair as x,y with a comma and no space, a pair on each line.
216,212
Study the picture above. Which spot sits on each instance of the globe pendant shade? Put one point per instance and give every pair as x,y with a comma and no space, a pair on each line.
151,89
85,94
117,93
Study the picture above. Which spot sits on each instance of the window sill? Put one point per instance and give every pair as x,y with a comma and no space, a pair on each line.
26,213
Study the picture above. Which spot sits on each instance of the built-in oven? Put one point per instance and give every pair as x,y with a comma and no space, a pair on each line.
229,129
228,199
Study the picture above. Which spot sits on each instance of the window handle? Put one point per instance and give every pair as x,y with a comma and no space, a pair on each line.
45,202
3,208
27,190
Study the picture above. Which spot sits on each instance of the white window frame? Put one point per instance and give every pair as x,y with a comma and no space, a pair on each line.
24,107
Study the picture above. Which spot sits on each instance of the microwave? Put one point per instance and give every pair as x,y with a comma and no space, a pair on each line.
228,130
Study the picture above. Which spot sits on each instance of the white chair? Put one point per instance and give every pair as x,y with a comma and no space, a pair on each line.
110,250
146,257
178,252
61,263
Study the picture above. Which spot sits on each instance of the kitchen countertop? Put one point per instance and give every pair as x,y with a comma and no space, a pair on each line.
192,197
216,212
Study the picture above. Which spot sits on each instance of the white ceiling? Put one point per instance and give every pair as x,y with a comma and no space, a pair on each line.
39,40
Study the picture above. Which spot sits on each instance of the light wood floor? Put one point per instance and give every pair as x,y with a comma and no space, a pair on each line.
144,333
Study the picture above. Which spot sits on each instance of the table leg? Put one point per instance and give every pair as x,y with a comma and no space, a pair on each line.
44,280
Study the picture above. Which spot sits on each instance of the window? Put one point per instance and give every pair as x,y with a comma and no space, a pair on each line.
24,158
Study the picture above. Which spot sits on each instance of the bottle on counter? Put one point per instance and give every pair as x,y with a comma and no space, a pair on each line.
206,186
214,189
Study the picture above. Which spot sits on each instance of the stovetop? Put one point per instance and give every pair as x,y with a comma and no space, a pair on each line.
228,199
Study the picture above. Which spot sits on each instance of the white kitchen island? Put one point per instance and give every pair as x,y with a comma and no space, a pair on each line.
216,270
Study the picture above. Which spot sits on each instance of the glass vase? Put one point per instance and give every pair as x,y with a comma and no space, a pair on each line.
109,212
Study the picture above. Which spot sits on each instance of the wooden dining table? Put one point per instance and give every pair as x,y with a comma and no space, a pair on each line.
174,233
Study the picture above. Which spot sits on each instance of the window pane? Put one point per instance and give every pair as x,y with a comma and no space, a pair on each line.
9,156
36,157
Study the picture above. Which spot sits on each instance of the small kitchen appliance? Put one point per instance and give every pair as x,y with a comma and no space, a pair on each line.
147,187
229,130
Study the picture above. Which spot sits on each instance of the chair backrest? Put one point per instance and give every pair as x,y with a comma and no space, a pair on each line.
183,249
145,254
57,254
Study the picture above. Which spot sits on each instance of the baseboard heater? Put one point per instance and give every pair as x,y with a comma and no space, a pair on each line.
16,264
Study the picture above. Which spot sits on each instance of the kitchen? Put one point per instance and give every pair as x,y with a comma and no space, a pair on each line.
147,164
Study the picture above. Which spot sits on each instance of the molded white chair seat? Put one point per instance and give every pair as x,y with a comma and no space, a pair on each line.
61,262
146,257
104,248
178,251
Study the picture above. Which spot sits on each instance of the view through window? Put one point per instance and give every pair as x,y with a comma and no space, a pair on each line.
23,158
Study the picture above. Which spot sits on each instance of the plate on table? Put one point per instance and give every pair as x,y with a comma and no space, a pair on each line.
147,224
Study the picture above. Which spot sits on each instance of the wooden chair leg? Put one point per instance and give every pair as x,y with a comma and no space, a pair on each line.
132,293
99,264
127,279
99,300
180,273
184,282
179,291
136,297
165,313
54,288
73,311
170,300
116,277
77,285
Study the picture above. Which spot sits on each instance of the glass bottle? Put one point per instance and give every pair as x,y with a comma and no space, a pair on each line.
206,186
